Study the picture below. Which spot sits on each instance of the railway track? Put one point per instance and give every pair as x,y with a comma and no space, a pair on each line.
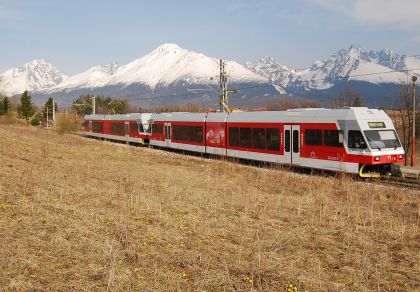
398,182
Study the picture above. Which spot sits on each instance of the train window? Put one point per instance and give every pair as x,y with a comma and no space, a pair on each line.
182,133
296,141
134,127
313,137
379,139
356,140
273,139
332,138
245,137
176,132
234,137
141,129
198,134
117,128
157,129
286,140
258,138
97,127
188,133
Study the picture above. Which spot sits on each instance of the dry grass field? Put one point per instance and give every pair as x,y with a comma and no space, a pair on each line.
80,214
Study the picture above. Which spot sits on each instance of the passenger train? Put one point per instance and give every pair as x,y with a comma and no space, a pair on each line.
354,140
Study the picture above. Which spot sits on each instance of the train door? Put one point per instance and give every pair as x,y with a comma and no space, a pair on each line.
292,144
167,133
127,130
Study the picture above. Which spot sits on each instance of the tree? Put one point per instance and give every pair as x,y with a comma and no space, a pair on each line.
4,106
357,102
25,109
49,105
104,105
2,111
83,105
347,96
404,117
286,104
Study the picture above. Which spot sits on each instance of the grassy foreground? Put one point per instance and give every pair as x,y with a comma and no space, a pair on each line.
79,214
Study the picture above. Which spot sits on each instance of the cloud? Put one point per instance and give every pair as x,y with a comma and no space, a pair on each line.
400,14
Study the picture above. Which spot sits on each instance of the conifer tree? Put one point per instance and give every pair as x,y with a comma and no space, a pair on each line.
25,109
2,112
49,105
6,105
357,102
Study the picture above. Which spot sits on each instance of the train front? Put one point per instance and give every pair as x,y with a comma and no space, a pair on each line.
375,138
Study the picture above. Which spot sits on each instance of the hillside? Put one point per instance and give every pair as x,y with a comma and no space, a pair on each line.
81,214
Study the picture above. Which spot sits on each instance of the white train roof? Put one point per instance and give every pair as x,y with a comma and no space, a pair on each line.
179,116
320,115
119,117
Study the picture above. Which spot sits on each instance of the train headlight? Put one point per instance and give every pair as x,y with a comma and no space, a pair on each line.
377,158
400,156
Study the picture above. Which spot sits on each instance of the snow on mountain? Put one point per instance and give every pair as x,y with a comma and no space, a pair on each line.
37,75
172,70
352,64
169,64
278,74
96,76
356,64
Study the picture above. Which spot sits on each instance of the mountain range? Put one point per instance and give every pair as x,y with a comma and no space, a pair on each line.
170,74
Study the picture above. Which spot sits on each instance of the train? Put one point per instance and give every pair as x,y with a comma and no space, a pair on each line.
355,140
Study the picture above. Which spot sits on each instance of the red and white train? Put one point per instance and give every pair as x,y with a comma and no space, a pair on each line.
353,140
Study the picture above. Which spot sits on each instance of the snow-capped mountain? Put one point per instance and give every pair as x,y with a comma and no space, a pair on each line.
36,76
278,74
96,76
165,66
353,64
170,74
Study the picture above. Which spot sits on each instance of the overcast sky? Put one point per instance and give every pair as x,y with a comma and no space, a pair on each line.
75,35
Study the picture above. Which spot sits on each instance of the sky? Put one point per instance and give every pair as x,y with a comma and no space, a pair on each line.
76,35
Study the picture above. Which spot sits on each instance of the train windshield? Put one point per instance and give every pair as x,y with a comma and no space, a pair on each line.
379,139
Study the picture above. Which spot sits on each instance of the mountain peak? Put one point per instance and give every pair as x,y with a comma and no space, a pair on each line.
37,63
355,47
36,75
355,51
108,68
168,48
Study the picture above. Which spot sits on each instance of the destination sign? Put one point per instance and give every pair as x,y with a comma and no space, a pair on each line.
376,125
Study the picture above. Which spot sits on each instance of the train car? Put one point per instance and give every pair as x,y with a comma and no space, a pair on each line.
129,128
184,131
353,140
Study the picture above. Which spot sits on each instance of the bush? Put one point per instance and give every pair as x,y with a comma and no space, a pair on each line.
67,124
35,122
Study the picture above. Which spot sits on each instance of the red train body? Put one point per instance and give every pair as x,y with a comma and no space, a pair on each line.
353,140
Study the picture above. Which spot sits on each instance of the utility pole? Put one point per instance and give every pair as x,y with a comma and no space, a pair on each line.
413,144
93,104
47,117
224,92
53,109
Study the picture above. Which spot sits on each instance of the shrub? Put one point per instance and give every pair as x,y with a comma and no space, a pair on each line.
35,122
67,124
